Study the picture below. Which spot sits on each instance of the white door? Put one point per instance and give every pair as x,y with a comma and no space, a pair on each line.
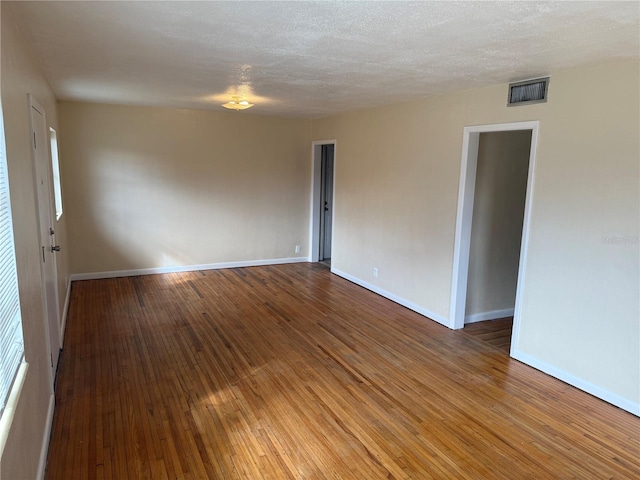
42,166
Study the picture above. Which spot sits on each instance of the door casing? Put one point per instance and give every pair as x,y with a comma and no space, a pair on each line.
466,193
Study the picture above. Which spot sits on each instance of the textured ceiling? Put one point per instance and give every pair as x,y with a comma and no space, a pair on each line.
312,59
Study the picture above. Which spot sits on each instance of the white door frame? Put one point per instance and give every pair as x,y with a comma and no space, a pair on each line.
466,193
316,184
49,272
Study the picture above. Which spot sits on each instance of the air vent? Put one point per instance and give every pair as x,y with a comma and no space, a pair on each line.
529,91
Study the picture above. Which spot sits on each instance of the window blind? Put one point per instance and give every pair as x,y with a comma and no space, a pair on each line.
11,342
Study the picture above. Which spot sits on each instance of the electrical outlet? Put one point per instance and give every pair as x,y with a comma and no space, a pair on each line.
375,272
297,248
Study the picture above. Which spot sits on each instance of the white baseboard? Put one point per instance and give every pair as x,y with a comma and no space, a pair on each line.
185,268
44,450
65,312
393,297
492,315
596,391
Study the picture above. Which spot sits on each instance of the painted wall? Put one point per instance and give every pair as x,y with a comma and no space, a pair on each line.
498,210
160,187
20,75
397,172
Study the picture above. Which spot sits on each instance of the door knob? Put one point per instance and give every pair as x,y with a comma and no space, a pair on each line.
55,248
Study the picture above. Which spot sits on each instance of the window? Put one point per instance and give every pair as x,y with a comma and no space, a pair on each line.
55,168
11,342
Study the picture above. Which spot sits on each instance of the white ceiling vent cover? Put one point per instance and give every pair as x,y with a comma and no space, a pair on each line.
529,91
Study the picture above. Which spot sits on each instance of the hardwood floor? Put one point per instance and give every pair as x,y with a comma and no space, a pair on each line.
493,332
290,372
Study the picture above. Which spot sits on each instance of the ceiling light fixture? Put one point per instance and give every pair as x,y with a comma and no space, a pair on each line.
237,104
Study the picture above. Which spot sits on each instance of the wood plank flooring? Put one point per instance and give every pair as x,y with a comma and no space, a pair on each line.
493,332
290,372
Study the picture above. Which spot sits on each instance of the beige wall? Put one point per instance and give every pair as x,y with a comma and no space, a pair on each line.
498,209
21,76
159,187
397,173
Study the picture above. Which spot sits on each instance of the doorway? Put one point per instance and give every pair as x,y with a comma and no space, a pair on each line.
322,201
496,226
326,203
463,235
46,231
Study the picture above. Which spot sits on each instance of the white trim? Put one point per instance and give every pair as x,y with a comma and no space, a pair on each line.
492,315
12,403
184,268
466,191
401,301
314,214
596,391
314,208
46,438
526,225
65,312
462,239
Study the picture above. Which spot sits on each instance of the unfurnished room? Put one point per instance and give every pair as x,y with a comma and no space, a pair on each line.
319,240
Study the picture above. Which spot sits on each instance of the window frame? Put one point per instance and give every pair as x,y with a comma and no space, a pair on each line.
13,365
